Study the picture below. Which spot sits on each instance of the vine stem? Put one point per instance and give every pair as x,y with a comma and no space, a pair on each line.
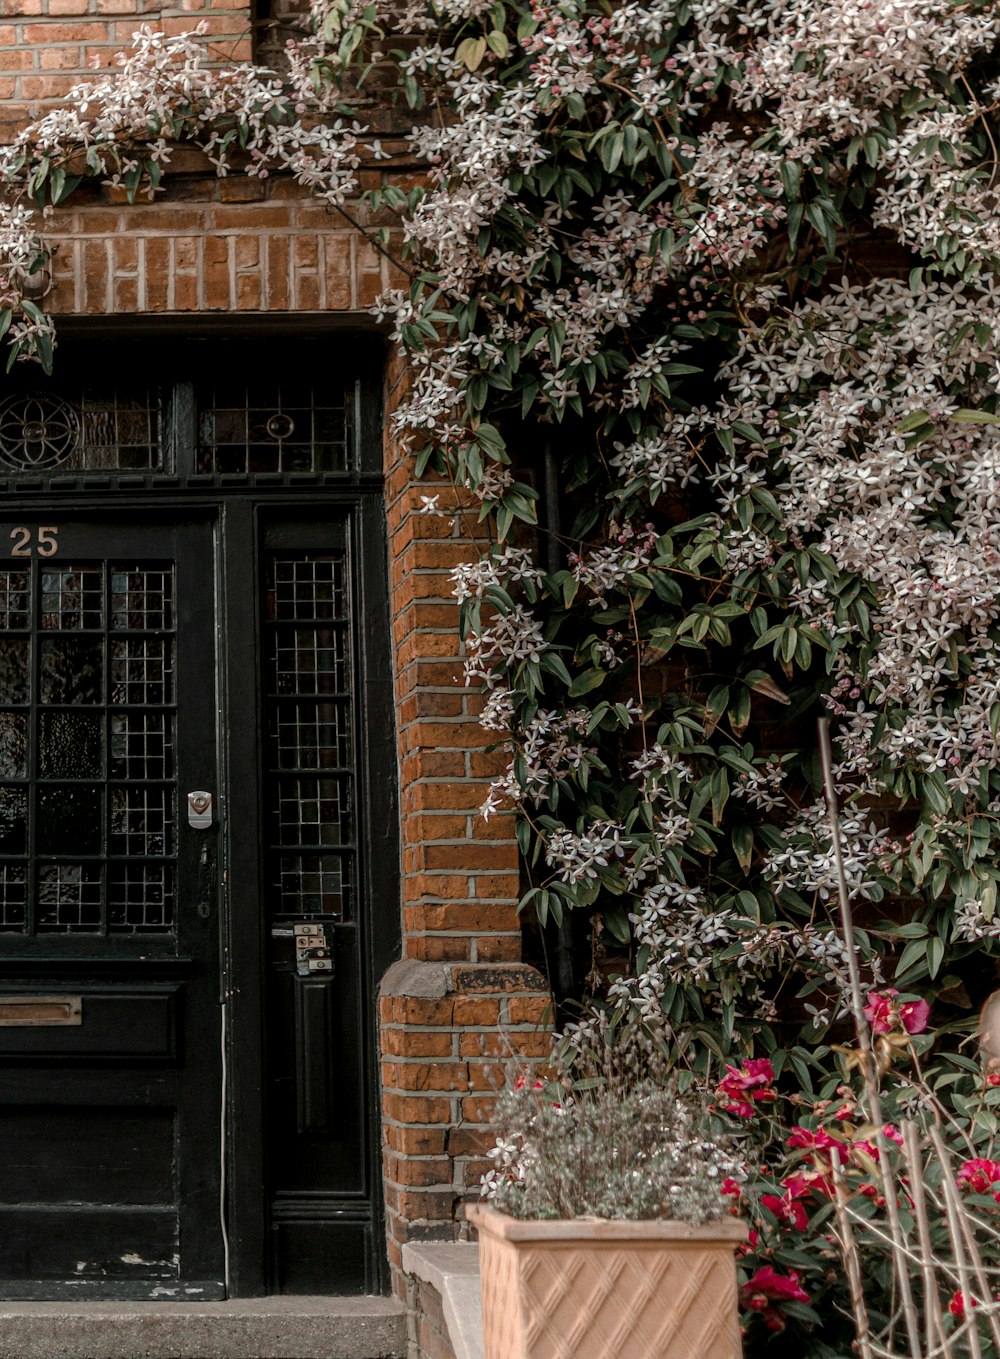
868,1065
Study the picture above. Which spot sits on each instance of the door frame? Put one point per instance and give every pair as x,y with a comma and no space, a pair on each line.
238,511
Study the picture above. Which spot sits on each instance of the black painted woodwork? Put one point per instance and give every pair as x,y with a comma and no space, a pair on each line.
112,1129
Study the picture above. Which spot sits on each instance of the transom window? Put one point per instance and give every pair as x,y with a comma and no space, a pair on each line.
209,427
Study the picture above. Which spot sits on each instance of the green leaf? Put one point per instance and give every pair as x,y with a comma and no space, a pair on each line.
915,420
935,955
585,681
742,840
470,52
967,417
499,43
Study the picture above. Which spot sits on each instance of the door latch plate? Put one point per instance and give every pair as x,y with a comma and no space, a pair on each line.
312,950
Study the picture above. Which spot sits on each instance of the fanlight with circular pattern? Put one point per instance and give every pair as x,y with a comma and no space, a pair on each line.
37,431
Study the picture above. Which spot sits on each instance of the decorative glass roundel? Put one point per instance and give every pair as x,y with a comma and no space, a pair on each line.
37,431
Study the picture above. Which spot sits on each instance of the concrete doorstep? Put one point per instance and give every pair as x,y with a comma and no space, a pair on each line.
250,1328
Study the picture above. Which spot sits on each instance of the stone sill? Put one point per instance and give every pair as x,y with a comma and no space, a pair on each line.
452,1270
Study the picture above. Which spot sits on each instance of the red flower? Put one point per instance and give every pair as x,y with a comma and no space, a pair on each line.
882,1012
815,1140
809,1180
746,1085
788,1209
993,1078
957,1304
765,1288
979,1175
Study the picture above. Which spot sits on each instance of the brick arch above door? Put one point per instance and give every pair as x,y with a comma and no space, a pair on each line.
229,250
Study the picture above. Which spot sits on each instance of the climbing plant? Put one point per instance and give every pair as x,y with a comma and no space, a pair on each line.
725,273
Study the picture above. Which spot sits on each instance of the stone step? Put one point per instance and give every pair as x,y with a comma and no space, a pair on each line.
248,1328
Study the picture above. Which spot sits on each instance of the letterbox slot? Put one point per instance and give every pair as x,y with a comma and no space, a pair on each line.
40,1012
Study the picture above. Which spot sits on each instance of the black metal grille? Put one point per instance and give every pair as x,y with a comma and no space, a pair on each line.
309,746
87,791
293,427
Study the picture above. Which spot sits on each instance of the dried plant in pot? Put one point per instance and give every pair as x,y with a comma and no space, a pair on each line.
603,1230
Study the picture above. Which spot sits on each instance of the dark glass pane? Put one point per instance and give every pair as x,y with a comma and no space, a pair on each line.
310,589
72,598
13,598
141,600
289,428
142,745
14,685
69,897
141,670
140,898
263,459
13,820
312,885
70,746
141,821
313,811
13,896
72,670
13,745
310,660
311,735
69,819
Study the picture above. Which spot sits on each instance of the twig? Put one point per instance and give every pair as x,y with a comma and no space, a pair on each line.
962,1240
932,1298
849,1250
868,1067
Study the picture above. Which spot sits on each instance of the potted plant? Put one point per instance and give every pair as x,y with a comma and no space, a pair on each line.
604,1231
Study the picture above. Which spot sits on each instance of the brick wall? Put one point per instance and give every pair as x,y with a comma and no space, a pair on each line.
211,245
460,998
47,46
427,1330
448,1031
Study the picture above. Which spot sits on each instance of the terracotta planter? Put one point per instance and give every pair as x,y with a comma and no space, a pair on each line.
597,1289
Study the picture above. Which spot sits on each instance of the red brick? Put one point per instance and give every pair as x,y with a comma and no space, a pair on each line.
498,948
411,1108
439,948
530,1010
422,1010
470,1010
415,1043
416,1141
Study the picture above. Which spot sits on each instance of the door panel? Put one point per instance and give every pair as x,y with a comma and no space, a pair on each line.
109,1063
318,1144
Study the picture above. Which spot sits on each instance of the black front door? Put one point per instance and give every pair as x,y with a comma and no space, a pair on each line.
110,1030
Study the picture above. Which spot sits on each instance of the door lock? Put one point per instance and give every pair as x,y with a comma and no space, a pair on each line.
199,806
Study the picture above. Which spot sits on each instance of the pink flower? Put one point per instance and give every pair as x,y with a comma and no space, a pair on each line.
979,1175
882,1012
746,1085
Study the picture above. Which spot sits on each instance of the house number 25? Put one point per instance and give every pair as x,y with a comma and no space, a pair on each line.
26,542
